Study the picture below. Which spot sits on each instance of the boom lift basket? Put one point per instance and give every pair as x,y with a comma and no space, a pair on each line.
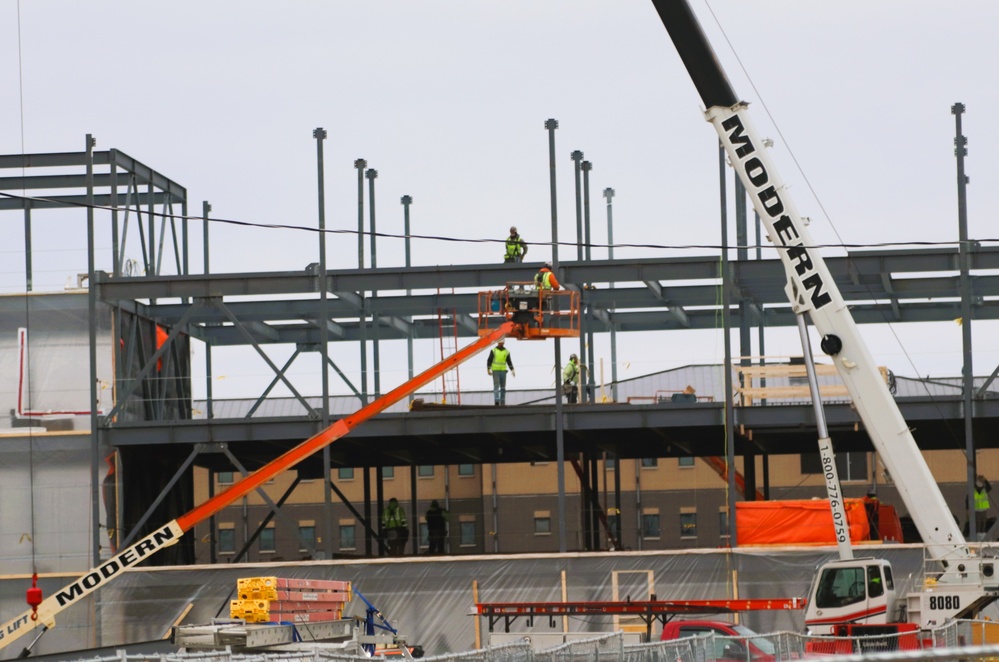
538,314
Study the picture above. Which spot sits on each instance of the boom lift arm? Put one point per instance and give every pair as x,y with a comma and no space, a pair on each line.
811,290
170,533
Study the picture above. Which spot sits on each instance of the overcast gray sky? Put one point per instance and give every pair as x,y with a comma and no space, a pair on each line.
447,99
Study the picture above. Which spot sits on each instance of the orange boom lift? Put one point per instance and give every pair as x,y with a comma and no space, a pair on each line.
544,314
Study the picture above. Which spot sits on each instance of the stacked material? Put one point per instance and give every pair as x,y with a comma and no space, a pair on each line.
277,600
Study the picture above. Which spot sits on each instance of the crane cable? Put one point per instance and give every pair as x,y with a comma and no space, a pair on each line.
34,594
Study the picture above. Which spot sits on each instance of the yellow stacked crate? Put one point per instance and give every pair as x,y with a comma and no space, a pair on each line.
277,599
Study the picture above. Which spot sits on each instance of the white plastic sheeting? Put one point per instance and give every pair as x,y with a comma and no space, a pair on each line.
49,386
46,519
431,600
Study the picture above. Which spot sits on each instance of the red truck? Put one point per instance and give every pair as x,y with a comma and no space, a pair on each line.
732,641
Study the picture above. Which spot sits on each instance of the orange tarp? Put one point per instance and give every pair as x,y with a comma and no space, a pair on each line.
889,526
796,522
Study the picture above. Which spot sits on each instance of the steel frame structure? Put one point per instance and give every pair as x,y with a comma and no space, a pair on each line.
917,285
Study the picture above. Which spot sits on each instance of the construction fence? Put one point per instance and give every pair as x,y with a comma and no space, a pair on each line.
966,640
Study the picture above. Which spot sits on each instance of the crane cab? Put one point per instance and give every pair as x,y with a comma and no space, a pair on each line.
854,591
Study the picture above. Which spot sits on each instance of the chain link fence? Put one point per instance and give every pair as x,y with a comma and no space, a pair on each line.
964,640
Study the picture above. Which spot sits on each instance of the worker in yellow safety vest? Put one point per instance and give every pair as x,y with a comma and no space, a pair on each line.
545,279
496,364
395,528
570,379
982,489
516,247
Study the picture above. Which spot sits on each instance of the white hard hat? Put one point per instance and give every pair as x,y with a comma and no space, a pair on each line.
548,264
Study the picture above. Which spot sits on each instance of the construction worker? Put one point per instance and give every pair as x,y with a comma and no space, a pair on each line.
545,279
872,507
570,379
496,365
982,489
436,527
516,247
394,527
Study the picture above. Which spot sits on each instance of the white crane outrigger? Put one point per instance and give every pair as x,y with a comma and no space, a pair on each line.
965,582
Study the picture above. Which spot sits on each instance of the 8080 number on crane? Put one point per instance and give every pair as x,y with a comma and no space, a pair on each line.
947,602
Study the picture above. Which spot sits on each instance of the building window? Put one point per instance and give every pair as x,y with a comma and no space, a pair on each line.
650,525
424,535
542,525
347,536
610,463
388,472
227,541
467,534
225,477
723,523
688,525
849,466
686,461
345,473
306,537
650,462
266,540
425,471
466,469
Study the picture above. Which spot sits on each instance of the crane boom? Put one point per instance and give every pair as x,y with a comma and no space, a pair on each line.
170,533
965,582
811,287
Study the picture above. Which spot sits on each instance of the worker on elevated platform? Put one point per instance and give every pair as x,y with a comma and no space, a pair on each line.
545,279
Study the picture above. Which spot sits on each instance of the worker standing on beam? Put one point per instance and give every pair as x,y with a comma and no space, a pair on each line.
516,247
570,379
395,528
496,364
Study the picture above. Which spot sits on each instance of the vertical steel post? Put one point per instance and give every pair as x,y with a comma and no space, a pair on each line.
964,257
372,527
577,159
95,457
185,242
407,200
27,246
113,173
414,521
206,207
372,174
609,194
361,164
726,328
745,328
152,268
319,134
212,538
551,125
590,387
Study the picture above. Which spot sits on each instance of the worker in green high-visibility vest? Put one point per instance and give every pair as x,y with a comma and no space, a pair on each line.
516,247
496,364
982,489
